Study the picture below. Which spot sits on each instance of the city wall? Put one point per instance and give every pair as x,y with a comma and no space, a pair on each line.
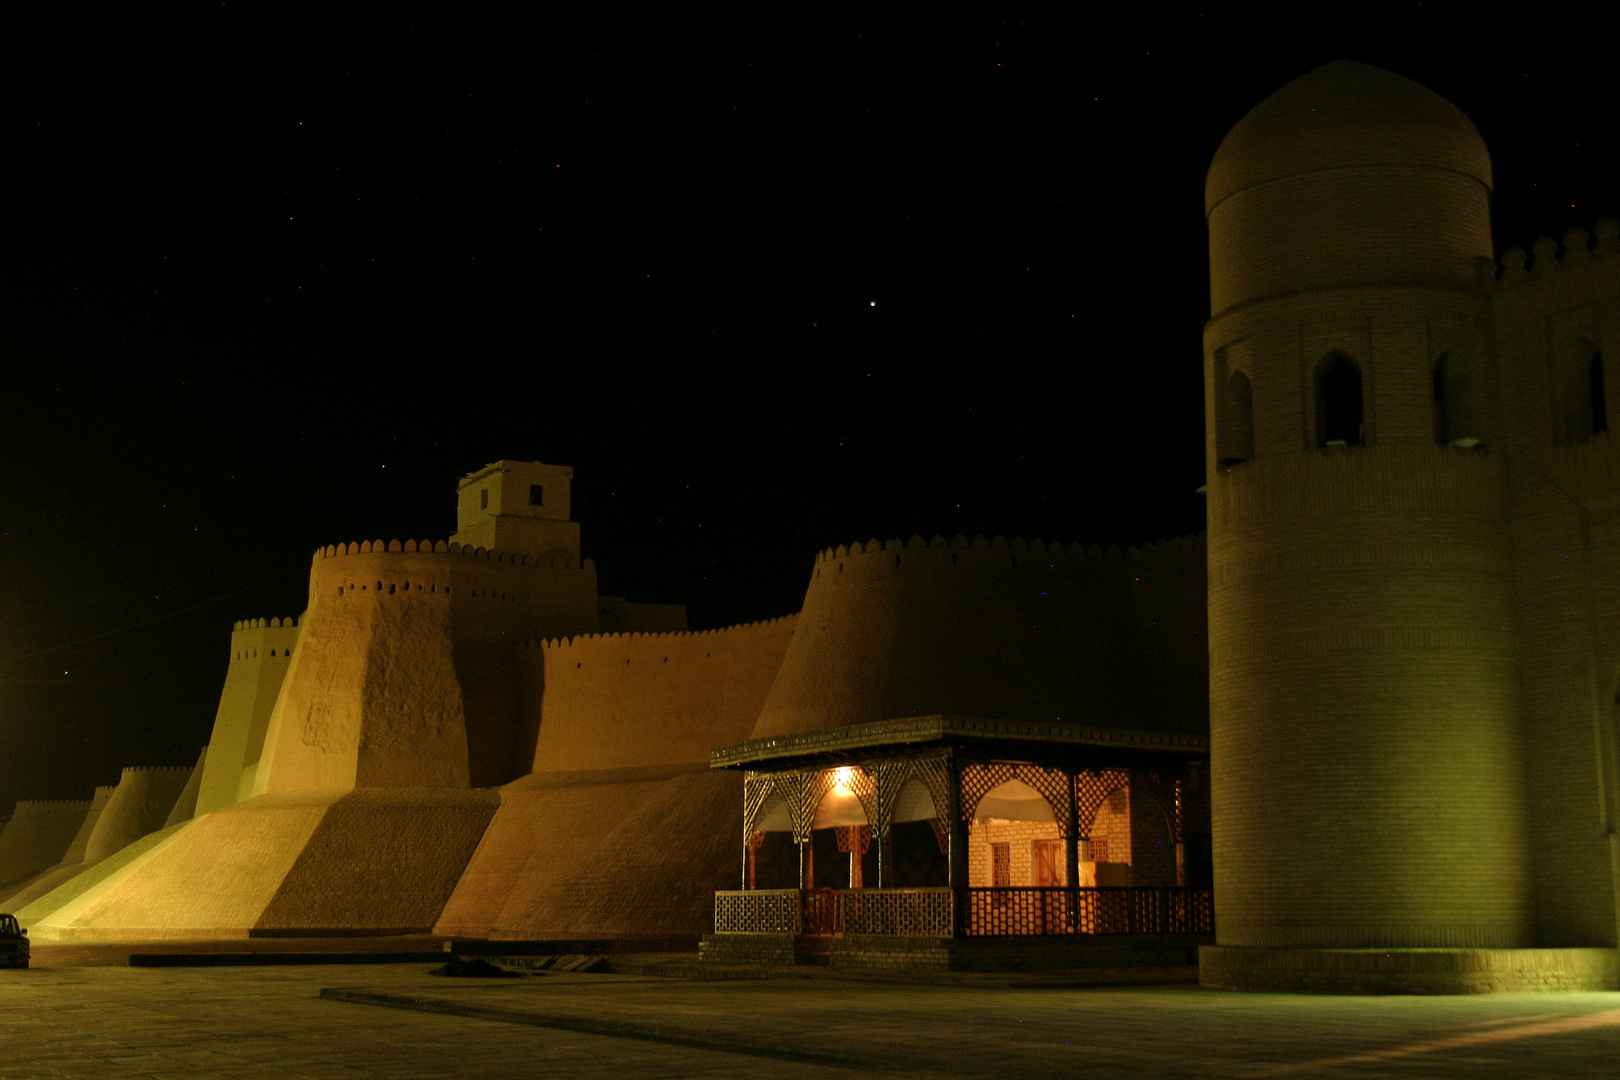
1552,313
625,723
185,807
630,700
140,804
36,837
19,894
261,651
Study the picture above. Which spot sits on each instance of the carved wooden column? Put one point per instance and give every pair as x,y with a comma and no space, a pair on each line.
1071,845
1181,840
854,841
756,789
754,841
958,855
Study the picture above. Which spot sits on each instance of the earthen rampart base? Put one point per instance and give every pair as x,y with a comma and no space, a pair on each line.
1407,971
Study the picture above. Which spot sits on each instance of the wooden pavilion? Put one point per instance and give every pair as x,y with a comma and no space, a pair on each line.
837,825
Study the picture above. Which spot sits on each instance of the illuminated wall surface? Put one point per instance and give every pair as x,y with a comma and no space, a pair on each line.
1402,632
1414,538
474,740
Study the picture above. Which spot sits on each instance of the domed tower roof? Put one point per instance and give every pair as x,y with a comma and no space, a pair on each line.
1345,114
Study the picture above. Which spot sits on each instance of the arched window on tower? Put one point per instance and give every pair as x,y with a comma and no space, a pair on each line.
1235,426
1340,419
1583,394
1457,420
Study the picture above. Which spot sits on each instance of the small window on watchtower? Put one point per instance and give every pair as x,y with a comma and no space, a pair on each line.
483,499
1584,400
1456,404
1235,424
1339,416
537,495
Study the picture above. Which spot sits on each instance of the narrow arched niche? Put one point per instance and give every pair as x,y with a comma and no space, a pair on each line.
1340,403
1458,419
1583,398
1234,431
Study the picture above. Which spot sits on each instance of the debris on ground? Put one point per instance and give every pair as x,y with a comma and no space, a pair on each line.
475,968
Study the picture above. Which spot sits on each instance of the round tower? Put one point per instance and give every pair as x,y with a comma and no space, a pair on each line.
1013,631
1365,770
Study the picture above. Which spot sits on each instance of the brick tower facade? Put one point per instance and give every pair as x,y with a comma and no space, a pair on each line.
1372,752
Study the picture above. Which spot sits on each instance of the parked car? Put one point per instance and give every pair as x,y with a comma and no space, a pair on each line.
13,943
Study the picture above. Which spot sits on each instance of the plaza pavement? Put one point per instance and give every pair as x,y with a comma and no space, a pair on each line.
113,1021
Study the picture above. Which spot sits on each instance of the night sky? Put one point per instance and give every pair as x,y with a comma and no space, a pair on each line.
768,286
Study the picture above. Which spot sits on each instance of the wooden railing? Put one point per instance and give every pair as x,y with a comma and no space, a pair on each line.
1002,912
910,912
1131,910
759,911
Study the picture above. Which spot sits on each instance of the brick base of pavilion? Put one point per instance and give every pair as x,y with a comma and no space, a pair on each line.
900,953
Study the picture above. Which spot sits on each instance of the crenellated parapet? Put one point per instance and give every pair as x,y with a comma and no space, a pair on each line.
941,553
1554,309
1581,252
261,624
1555,312
653,636
540,596
263,639
442,547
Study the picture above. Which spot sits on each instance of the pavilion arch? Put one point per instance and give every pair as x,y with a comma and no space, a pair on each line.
1458,397
1013,800
771,858
914,802
1234,422
839,808
840,861
773,816
1341,413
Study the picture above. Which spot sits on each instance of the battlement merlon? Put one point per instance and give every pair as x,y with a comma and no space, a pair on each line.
520,506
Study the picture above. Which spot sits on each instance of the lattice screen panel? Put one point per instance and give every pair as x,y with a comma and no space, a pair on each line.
1091,790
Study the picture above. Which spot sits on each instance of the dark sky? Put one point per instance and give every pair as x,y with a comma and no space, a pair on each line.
766,284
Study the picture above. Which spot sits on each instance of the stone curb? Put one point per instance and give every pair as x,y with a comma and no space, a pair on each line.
1099,978
271,959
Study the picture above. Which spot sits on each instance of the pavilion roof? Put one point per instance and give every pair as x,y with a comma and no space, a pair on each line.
948,729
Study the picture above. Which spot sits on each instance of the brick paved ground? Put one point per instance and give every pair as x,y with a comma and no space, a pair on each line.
241,1022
